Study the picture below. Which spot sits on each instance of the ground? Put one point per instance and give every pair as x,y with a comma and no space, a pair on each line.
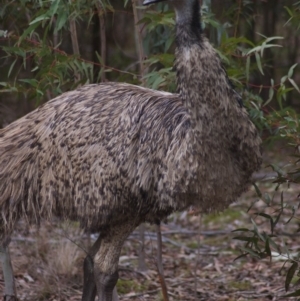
199,255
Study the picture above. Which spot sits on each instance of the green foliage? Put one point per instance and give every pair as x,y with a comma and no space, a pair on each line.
237,54
294,15
31,43
53,70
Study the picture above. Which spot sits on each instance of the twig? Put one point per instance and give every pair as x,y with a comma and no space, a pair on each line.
160,268
126,269
55,33
197,257
185,232
140,50
203,233
74,38
102,29
263,176
61,52
139,39
238,18
131,295
75,45
141,262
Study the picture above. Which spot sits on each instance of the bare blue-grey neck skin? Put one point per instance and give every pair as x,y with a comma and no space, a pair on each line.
188,63
188,26
189,43
196,64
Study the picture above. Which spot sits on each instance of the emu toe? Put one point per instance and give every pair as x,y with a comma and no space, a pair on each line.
105,285
89,284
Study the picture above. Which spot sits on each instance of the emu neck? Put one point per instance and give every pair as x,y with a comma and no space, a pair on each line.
189,42
188,26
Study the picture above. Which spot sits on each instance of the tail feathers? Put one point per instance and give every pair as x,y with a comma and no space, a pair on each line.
18,178
18,198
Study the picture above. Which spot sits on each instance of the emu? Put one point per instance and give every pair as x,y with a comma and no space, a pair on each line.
115,155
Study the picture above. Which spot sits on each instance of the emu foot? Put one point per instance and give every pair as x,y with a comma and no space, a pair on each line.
89,285
105,285
9,280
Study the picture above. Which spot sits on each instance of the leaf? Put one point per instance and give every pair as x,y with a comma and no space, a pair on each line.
241,230
11,67
291,217
294,294
283,79
40,18
241,256
252,204
3,33
294,84
247,68
251,252
157,82
291,70
277,218
271,94
268,249
277,169
267,216
28,31
261,48
290,274
257,232
274,38
245,238
257,190
267,199
99,58
62,19
53,8
258,62
31,81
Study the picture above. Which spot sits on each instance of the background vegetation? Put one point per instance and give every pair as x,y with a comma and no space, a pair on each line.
49,47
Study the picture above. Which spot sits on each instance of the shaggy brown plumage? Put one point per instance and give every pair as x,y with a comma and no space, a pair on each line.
100,154
114,155
105,153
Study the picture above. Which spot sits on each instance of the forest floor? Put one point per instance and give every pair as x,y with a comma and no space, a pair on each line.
199,254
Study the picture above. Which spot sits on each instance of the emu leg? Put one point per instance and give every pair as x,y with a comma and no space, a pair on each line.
89,284
115,295
9,281
105,285
107,258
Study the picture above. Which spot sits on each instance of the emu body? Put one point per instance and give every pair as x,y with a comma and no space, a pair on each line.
107,153
114,155
97,155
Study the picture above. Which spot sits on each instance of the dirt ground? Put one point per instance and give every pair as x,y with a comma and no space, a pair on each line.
199,254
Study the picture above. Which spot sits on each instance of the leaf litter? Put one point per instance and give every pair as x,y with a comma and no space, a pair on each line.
198,258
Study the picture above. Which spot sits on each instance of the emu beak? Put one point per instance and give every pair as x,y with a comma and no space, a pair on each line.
147,2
